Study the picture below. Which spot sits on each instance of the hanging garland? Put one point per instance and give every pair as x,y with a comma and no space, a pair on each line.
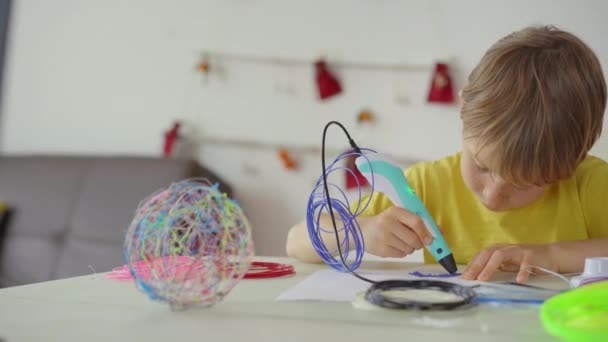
328,85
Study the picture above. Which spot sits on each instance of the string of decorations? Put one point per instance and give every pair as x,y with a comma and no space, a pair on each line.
285,152
328,84
283,61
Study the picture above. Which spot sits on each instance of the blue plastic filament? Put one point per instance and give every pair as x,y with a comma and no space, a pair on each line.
351,235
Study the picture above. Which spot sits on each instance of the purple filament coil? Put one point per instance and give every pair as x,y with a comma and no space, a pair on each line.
433,275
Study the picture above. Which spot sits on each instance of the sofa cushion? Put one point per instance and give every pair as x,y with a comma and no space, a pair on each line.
111,191
43,192
82,256
72,212
28,259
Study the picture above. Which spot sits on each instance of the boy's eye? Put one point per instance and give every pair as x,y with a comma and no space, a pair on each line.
482,169
522,187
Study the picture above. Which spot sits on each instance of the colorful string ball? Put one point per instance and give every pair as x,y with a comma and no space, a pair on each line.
188,245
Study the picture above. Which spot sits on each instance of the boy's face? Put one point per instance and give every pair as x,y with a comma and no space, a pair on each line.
493,191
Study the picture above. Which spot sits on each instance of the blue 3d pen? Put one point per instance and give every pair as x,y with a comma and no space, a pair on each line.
390,180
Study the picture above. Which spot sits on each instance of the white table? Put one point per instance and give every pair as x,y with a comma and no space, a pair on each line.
93,307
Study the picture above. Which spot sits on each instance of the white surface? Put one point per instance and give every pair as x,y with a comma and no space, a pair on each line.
106,77
330,285
94,308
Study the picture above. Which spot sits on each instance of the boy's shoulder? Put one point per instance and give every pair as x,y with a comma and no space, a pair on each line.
431,177
441,167
592,161
591,167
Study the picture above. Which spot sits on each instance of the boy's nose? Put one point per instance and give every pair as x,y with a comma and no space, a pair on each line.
495,194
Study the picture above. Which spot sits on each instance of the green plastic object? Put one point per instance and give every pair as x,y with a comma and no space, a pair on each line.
580,314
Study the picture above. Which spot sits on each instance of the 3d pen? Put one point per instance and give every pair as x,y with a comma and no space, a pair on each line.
390,180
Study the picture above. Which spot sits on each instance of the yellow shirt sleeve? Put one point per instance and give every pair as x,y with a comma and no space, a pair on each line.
593,190
379,203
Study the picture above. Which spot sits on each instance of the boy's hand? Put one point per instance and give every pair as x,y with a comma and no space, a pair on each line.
396,233
509,258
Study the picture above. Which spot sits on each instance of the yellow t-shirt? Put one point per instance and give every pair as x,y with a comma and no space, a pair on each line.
573,209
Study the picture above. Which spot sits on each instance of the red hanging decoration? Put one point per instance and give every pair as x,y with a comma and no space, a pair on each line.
171,137
354,178
327,84
441,90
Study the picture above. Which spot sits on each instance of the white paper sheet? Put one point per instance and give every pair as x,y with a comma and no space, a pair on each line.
332,286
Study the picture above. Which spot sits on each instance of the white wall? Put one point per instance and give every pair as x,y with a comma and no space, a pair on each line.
107,77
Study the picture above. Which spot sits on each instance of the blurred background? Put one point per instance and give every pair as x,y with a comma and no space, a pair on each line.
251,83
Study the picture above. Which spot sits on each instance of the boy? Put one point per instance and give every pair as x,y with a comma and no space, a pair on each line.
523,190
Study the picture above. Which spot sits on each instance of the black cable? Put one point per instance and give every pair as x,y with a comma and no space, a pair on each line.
376,296
331,211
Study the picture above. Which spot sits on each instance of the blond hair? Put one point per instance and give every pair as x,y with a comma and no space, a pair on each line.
537,99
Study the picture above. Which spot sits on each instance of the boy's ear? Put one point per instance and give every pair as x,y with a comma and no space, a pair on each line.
460,99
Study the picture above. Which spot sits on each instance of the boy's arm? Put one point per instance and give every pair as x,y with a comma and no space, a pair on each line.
562,257
570,256
299,245
383,236
394,233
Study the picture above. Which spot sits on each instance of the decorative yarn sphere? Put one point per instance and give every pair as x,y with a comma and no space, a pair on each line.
188,245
